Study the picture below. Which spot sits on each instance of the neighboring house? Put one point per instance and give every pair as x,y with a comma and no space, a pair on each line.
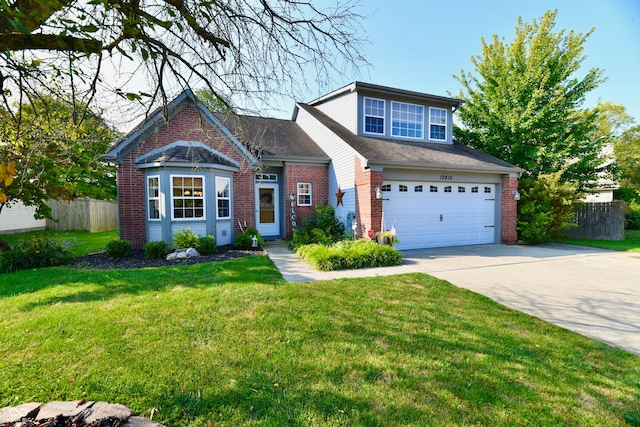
17,218
382,156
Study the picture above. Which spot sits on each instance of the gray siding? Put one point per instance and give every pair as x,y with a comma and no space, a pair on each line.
342,167
343,110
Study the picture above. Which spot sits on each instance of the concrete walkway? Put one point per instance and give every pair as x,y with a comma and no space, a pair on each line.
591,291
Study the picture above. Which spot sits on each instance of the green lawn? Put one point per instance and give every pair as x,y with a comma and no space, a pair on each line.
87,242
631,243
231,344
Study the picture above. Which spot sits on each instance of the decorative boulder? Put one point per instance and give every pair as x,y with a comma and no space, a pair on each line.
183,254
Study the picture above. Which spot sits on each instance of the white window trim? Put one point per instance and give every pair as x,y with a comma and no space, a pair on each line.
310,194
446,127
223,198
159,199
409,137
204,197
365,115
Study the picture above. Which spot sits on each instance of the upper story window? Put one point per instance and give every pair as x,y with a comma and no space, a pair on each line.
438,124
187,197
407,120
304,194
153,197
374,116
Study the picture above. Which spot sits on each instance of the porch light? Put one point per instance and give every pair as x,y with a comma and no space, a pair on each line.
516,195
378,193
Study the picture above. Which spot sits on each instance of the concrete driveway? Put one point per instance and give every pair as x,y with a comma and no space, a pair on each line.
590,291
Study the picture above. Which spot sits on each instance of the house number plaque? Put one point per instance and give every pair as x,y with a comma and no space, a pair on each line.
446,177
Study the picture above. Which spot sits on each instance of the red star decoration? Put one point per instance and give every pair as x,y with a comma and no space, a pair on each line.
339,195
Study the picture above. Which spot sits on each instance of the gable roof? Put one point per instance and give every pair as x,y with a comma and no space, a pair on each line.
157,118
383,91
255,137
400,153
274,139
181,153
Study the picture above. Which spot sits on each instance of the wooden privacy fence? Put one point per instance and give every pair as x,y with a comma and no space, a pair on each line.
599,221
83,214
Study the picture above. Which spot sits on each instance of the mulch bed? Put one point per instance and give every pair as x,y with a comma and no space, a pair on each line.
136,259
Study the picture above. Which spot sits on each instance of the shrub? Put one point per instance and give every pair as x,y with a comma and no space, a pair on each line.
117,249
36,251
627,194
185,238
632,216
156,249
322,226
547,207
245,240
349,254
206,245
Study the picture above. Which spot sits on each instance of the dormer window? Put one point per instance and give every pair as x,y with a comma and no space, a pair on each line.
374,116
407,120
438,124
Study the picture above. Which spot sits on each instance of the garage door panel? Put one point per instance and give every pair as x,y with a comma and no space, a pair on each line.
438,218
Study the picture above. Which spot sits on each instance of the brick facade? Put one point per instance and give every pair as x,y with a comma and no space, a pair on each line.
187,125
318,176
368,207
509,232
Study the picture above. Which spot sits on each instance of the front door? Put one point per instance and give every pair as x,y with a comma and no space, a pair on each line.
267,209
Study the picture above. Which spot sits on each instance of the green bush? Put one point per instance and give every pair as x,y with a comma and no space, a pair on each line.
183,239
632,215
156,249
322,226
117,249
245,240
36,251
627,194
547,208
206,245
349,254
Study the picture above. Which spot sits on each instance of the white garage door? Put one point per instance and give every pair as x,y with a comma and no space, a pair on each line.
436,214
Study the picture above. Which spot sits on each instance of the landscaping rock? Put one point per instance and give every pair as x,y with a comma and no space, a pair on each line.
14,414
111,412
64,409
72,414
183,254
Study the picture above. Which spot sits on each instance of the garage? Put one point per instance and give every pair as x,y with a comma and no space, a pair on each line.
438,214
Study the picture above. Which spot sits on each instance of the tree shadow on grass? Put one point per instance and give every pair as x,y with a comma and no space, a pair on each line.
104,285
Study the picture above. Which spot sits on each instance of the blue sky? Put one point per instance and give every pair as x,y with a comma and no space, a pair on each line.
418,45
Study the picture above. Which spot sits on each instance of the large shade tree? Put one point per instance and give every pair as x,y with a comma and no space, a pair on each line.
254,50
524,103
54,156
257,48
627,151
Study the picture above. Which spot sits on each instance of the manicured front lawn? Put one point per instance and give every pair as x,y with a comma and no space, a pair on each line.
630,244
87,242
230,344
